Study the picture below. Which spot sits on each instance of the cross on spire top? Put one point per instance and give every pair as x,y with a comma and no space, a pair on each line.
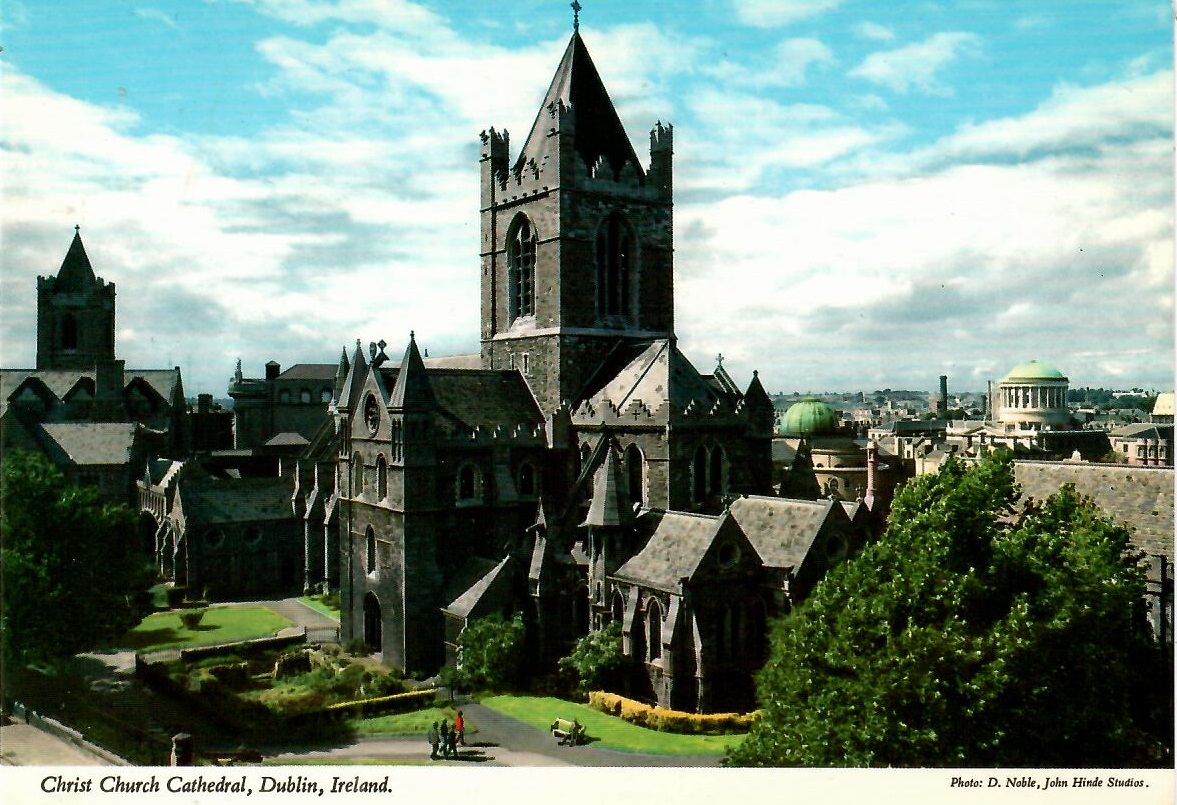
719,360
575,15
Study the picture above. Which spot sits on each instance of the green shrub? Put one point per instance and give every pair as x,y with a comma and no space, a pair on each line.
192,618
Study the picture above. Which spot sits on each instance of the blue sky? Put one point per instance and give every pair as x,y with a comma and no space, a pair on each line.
868,195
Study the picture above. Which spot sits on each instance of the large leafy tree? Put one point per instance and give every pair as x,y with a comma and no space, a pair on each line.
73,574
490,654
598,661
971,634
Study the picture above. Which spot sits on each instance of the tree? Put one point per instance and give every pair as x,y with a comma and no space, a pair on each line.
74,576
969,635
490,654
599,662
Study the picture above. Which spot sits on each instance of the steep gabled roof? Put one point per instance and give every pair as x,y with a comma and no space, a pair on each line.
781,529
91,443
577,86
659,372
472,603
674,551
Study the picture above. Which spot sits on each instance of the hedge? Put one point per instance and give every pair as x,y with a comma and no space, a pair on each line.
663,720
381,704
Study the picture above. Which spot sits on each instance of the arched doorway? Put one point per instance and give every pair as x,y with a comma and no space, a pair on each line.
373,626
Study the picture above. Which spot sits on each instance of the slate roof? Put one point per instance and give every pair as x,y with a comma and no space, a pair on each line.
473,361
1144,430
467,602
599,133
656,373
235,500
288,439
60,382
673,551
482,398
1139,497
91,443
310,371
782,530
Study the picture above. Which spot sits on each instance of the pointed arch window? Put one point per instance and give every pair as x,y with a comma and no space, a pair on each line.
381,477
69,332
521,267
370,550
635,467
715,480
654,624
357,468
527,486
614,266
699,475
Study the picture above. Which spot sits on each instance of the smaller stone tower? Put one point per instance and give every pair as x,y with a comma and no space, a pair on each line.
75,314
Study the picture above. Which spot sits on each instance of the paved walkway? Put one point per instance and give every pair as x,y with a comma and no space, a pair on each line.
23,745
500,741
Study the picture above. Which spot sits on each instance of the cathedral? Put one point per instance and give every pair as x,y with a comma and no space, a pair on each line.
579,469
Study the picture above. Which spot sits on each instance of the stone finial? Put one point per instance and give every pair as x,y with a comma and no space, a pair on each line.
575,15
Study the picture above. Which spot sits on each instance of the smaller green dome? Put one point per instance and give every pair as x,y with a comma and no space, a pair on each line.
1035,370
809,417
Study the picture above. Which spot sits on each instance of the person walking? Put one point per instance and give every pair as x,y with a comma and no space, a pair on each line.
434,739
446,738
459,731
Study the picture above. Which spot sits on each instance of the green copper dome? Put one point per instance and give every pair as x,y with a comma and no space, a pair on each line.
1035,370
809,417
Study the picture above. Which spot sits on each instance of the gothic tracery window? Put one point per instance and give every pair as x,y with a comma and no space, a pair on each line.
521,267
614,266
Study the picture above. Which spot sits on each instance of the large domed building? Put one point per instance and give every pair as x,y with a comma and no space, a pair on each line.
1033,396
828,461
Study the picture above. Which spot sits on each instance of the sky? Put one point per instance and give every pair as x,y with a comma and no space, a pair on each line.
867,195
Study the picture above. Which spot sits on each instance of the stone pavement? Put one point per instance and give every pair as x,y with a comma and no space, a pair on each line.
24,745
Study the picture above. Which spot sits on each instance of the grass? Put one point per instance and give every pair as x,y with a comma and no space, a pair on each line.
164,630
609,732
316,603
415,723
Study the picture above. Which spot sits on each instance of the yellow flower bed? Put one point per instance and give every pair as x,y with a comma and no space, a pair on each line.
379,703
659,718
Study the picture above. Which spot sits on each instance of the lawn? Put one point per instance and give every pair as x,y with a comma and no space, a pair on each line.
414,723
164,630
609,732
317,603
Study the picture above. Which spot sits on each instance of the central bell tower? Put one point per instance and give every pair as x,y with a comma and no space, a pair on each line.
577,238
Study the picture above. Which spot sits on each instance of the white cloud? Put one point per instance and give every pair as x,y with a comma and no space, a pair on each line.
777,13
966,252
875,31
916,67
158,16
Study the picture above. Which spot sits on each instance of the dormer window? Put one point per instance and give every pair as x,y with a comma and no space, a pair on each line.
521,267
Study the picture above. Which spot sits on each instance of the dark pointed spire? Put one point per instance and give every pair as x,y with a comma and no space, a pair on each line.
598,131
609,506
76,273
341,373
355,379
413,390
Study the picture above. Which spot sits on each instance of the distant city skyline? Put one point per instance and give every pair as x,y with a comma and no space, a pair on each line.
867,196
